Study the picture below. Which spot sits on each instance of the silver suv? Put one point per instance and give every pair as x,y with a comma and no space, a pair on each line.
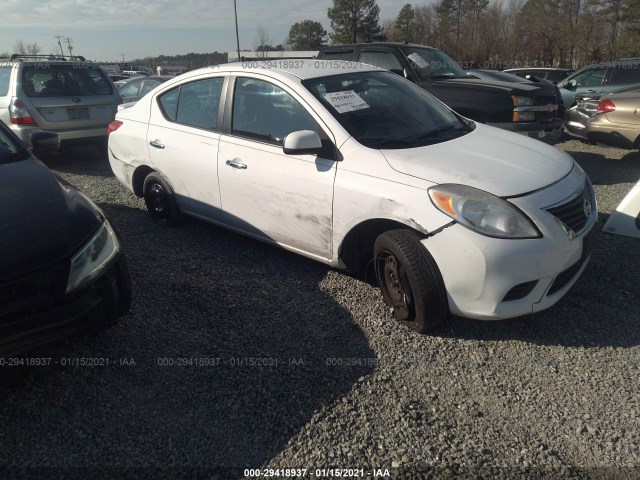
67,95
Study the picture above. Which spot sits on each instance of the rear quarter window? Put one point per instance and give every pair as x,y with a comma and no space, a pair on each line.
50,80
5,76
338,55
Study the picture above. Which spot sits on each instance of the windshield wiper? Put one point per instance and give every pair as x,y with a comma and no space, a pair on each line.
430,134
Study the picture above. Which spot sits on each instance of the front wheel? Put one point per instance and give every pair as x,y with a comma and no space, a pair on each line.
160,200
410,280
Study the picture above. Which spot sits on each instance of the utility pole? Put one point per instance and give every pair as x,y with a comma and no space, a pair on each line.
122,57
69,42
235,9
59,43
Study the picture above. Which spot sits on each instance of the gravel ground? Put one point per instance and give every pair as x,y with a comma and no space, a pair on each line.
338,383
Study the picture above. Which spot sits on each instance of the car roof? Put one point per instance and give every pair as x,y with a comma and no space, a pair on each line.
538,68
376,44
303,68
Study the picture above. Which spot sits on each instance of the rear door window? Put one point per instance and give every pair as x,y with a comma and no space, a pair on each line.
51,80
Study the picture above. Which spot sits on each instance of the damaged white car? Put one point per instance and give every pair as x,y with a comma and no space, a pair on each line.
343,163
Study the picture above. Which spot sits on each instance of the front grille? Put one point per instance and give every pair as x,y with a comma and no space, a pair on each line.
546,116
520,291
21,298
576,212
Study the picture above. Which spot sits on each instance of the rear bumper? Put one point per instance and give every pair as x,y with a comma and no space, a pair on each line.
89,135
93,308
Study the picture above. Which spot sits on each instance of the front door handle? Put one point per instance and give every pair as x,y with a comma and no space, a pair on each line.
236,164
156,143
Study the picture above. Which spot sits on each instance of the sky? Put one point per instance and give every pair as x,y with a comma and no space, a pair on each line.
110,30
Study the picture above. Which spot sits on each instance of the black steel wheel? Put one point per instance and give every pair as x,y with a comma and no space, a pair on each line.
160,200
410,280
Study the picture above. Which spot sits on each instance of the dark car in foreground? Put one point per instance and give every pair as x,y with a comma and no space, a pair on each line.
62,269
526,109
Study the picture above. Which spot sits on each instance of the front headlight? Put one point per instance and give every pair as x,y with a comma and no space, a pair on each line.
482,212
520,112
93,258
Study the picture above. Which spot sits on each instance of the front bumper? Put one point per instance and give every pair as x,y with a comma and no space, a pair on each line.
59,316
490,278
542,131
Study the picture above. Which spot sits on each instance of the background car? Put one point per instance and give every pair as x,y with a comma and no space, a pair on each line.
62,269
577,118
527,109
598,79
70,96
554,75
344,163
616,121
133,89
497,76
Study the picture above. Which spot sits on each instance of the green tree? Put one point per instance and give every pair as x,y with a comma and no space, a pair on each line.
355,21
307,35
404,26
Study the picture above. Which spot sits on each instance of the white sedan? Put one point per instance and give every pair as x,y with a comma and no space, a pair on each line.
345,163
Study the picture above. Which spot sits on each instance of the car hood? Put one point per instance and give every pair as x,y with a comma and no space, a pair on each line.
42,222
531,89
491,159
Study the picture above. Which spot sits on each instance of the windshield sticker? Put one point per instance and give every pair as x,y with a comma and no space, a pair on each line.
418,60
345,102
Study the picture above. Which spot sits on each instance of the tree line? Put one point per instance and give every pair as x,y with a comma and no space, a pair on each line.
559,33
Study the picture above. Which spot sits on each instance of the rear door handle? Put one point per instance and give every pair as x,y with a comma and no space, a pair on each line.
157,144
236,164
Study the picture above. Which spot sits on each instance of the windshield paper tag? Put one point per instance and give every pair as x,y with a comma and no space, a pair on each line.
345,102
418,60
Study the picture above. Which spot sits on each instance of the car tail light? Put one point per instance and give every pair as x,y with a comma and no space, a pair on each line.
19,113
113,126
605,106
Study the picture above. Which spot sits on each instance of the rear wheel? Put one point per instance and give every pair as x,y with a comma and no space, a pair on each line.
160,200
410,280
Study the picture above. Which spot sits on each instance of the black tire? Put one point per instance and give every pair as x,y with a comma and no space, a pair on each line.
160,200
410,280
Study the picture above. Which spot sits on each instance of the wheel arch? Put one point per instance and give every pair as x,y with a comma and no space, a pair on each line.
137,179
356,247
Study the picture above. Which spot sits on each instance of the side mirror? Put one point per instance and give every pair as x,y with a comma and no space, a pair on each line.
44,143
302,142
571,85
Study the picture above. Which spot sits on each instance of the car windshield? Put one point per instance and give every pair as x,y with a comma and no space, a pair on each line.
10,149
383,110
51,80
432,64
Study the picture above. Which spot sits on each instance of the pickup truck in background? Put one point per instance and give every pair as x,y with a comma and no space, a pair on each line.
531,110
